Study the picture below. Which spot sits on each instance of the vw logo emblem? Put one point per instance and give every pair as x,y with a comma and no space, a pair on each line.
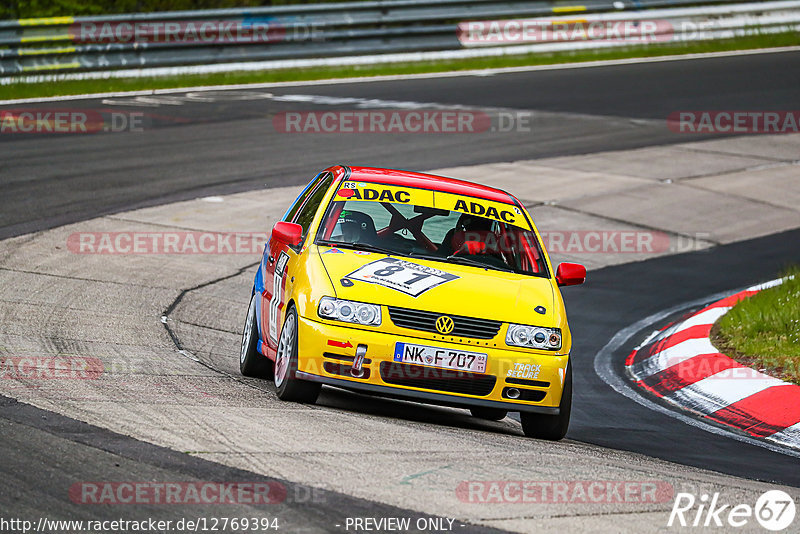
444,324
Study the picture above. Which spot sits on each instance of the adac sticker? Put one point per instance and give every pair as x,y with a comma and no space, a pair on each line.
373,192
498,211
403,276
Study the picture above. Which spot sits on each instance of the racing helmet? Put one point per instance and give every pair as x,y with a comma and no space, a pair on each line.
354,227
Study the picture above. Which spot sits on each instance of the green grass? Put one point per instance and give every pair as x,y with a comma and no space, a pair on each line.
13,9
763,331
32,90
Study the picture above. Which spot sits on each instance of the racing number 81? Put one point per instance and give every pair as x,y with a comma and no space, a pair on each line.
389,270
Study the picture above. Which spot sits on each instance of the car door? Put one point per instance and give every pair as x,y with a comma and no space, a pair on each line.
278,256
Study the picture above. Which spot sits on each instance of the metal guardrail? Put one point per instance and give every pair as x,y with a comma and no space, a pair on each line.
70,44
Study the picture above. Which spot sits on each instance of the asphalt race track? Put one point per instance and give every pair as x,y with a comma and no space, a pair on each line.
203,148
649,287
224,143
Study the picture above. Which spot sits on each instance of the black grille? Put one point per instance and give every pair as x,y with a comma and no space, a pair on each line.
418,376
426,321
532,395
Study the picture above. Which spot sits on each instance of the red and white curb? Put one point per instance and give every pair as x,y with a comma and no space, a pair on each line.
681,366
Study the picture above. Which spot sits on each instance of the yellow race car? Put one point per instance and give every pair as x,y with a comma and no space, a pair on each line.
413,286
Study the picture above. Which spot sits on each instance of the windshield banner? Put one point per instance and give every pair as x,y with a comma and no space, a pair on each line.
490,209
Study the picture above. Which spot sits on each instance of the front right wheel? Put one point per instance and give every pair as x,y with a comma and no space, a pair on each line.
551,427
288,386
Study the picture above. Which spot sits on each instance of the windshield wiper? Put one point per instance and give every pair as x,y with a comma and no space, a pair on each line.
359,246
423,256
454,258
449,259
475,263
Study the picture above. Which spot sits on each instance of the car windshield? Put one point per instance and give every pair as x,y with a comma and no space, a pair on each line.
407,229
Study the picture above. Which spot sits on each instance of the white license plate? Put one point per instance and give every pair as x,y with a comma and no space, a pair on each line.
460,360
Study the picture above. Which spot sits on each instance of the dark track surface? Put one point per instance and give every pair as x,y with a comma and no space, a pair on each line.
44,454
201,148
616,297
642,91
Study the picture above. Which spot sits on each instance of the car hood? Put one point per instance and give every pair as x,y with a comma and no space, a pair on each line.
459,290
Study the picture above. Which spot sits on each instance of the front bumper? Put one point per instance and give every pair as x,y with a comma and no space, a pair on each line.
326,354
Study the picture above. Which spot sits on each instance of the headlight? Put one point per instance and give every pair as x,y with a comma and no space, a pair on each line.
533,337
349,311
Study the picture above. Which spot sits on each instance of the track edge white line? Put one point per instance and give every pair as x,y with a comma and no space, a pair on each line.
604,368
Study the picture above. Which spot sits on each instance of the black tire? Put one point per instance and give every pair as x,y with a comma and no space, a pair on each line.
550,427
251,362
288,386
490,414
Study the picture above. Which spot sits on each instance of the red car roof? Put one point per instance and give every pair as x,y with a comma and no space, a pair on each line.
428,181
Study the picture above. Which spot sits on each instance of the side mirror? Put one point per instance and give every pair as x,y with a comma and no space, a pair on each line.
289,233
570,274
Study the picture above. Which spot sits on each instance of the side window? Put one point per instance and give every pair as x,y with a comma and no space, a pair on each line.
301,198
309,209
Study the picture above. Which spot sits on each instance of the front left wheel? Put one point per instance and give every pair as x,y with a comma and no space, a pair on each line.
288,386
251,362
